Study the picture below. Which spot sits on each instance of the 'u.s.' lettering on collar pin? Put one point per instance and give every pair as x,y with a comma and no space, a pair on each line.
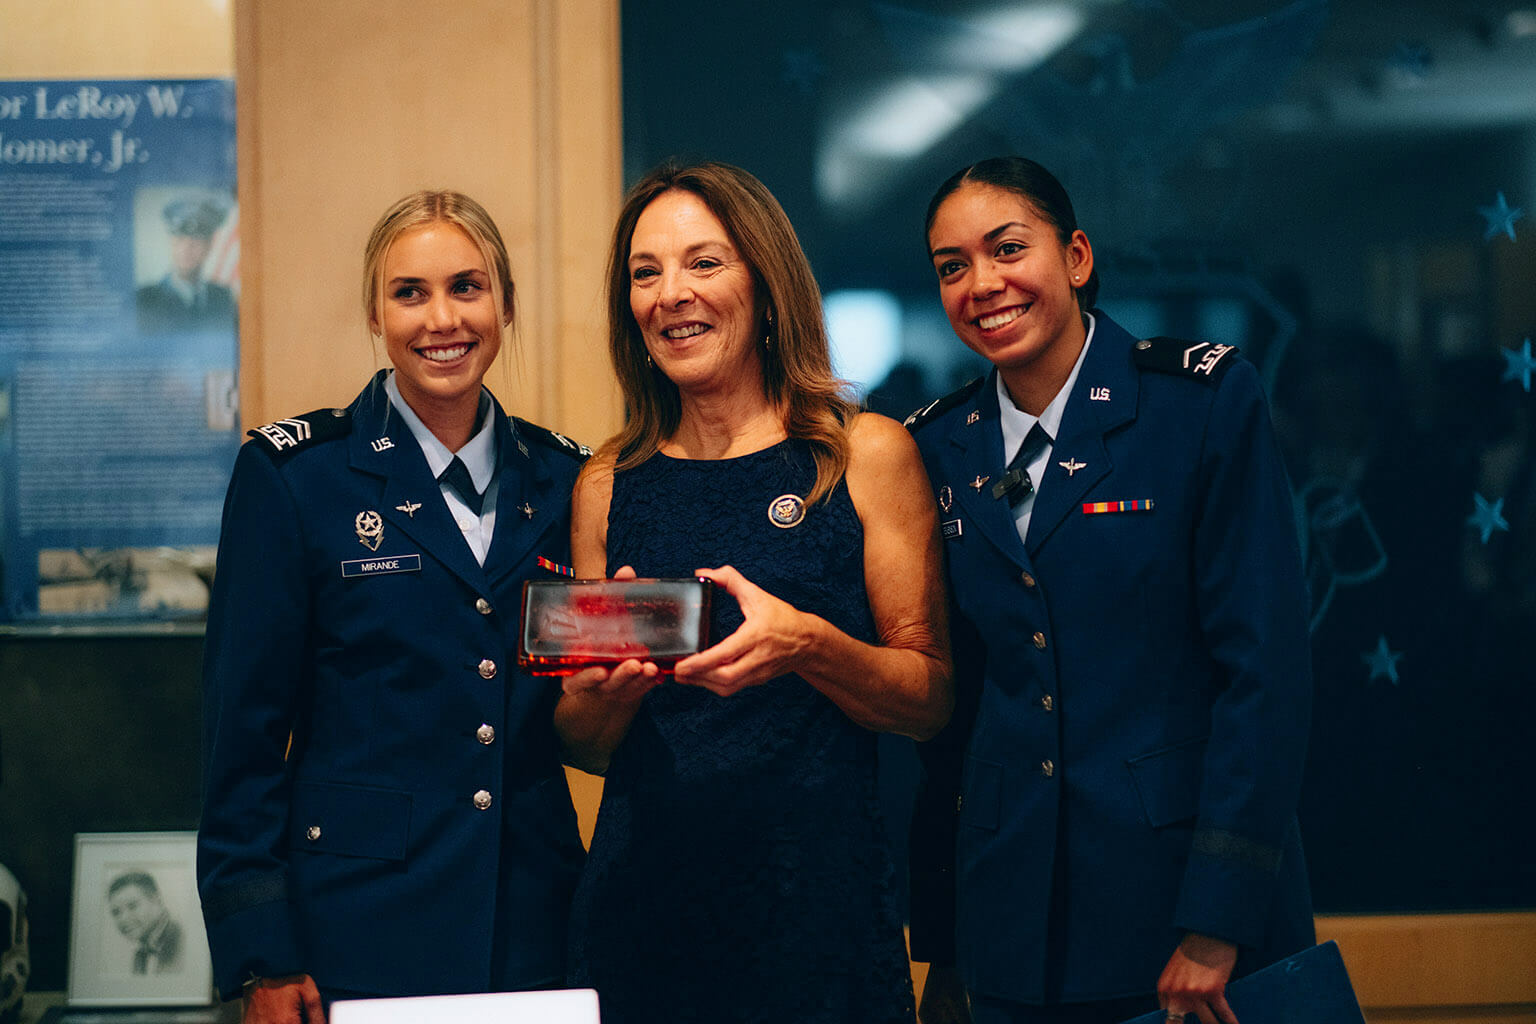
1092,508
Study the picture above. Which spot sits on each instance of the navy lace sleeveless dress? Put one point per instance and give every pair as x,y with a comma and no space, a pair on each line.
739,871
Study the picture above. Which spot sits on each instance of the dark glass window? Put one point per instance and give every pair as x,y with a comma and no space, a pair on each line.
1345,190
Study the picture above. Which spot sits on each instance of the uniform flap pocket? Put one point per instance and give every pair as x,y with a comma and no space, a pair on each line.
981,788
1168,782
353,821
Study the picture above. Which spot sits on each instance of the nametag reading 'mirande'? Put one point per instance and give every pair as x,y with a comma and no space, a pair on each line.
381,566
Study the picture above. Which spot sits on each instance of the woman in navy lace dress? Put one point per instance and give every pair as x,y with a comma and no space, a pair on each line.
739,870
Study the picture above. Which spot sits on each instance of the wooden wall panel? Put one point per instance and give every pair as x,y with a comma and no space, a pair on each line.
1440,968
347,105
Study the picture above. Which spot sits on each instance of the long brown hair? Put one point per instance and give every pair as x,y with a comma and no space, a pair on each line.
797,360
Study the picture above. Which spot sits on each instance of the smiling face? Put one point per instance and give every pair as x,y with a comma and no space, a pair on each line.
1006,282
440,321
134,911
693,296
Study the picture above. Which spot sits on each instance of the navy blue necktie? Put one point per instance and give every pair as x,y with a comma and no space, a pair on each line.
457,477
1015,484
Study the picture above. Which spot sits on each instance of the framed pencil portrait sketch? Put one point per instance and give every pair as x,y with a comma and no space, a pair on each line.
136,935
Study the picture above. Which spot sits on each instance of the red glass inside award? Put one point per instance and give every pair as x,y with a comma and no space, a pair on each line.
572,624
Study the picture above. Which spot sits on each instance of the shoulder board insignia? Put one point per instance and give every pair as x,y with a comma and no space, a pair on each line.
1200,359
282,438
939,406
549,439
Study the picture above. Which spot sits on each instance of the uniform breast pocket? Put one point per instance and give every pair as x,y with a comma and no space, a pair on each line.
981,788
350,821
1167,781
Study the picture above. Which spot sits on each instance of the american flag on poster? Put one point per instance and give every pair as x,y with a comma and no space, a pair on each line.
223,266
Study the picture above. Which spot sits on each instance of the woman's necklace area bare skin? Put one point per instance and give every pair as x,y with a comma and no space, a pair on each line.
703,437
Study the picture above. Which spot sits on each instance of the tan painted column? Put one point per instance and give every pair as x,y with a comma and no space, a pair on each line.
344,106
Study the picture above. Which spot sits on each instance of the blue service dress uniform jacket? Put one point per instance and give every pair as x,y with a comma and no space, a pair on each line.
418,837
1133,685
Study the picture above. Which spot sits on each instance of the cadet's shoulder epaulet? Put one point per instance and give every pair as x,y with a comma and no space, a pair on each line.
282,438
549,439
1185,358
939,406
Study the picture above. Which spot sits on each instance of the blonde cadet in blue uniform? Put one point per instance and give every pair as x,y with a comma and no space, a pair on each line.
385,811
1108,826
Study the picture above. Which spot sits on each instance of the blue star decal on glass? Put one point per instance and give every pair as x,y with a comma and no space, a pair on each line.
1518,364
1382,661
1501,218
1488,517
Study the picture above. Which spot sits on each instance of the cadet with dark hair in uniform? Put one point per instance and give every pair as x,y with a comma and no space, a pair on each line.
385,810
1108,826
185,298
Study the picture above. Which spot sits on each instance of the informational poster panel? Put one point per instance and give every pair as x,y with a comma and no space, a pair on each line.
119,280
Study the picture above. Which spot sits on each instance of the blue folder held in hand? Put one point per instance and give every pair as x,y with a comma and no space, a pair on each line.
1311,986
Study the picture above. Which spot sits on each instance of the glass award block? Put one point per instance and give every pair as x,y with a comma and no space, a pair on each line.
572,624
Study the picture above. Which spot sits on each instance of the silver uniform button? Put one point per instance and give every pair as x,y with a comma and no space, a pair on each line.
482,606
1040,641
487,669
486,734
312,833
1047,768
482,799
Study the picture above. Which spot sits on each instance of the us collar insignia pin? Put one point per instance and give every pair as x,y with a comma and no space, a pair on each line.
946,498
370,529
1072,466
786,510
979,481
381,444
973,417
409,508
527,510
